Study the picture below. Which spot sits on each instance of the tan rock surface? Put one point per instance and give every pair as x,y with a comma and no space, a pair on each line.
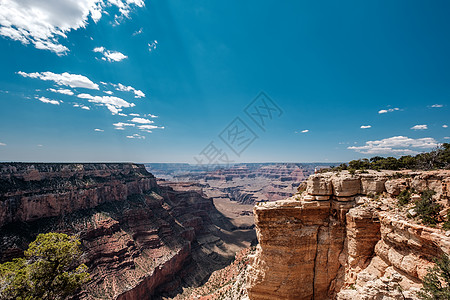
351,246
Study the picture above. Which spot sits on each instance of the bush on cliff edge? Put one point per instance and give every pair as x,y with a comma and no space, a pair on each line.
436,284
50,270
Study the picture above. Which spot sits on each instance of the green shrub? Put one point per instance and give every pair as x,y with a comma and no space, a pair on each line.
404,197
50,270
436,284
446,225
427,209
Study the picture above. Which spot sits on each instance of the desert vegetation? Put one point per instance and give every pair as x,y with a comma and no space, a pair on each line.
439,158
50,269
436,284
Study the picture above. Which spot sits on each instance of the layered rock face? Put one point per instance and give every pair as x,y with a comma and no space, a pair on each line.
343,238
32,191
140,240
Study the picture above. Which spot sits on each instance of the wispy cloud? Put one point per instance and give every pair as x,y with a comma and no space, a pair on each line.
81,106
124,88
149,128
114,104
152,45
141,121
419,127
137,32
121,125
72,80
135,115
108,92
437,105
43,25
136,136
49,101
397,145
444,126
305,131
2,144
111,56
366,126
62,91
98,130
385,111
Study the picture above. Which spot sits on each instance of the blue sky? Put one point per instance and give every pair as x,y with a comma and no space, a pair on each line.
159,81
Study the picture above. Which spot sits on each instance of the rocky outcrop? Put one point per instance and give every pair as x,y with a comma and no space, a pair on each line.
345,237
298,252
139,239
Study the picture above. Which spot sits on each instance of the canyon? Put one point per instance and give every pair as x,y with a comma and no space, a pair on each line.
140,239
338,235
246,183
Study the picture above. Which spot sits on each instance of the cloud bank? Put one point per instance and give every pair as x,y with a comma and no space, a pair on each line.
396,145
44,23
72,80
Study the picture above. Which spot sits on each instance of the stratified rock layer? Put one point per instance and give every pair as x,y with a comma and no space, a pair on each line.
342,239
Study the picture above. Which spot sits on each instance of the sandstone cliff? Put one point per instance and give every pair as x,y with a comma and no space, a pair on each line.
140,240
345,237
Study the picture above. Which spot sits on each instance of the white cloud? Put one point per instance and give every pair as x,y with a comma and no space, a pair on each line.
2,144
72,80
447,138
122,114
49,101
123,88
397,145
148,128
99,49
444,126
135,115
138,32
109,55
366,126
44,23
81,106
114,56
305,131
152,45
108,92
98,130
121,125
141,121
437,105
419,127
114,104
136,136
384,111
61,91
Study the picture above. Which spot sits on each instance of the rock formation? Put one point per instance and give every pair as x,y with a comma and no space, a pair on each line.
140,239
345,237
